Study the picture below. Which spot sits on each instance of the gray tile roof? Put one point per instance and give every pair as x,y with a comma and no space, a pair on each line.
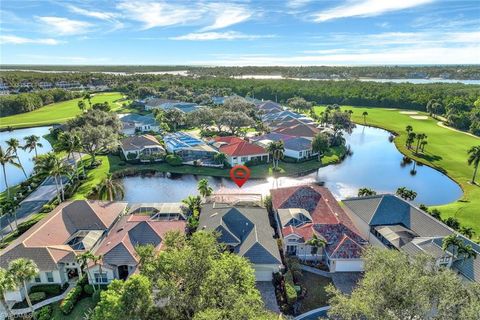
140,142
249,224
386,209
298,144
293,216
139,119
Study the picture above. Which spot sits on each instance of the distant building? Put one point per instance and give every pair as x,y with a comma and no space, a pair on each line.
239,151
189,148
299,130
144,147
295,147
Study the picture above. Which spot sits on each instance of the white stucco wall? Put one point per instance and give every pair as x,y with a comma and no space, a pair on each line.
96,269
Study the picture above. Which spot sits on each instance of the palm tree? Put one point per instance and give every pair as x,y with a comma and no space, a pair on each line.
422,145
13,145
365,114
203,188
31,143
88,96
420,138
81,105
7,283
110,189
452,242
316,243
466,251
474,158
320,144
467,231
277,149
51,165
9,208
220,158
193,203
409,128
23,270
365,192
7,158
70,142
83,259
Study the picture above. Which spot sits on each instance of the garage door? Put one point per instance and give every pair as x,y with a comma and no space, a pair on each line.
261,275
349,266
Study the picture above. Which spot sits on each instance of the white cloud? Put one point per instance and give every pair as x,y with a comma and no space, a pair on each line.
226,15
65,26
228,35
94,14
366,8
4,39
295,4
159,14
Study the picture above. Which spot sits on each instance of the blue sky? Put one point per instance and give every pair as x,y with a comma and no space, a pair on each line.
294,32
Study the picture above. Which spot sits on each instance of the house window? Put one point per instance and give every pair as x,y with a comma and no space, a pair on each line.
37,278
244,159
100,277
49,276
300,154
291,250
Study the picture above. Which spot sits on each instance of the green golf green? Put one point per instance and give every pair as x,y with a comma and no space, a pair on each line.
58,112
446,151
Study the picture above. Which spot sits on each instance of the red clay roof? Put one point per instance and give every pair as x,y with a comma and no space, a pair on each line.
238,147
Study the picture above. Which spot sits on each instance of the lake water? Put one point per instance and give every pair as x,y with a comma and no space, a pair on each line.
375,164
15,175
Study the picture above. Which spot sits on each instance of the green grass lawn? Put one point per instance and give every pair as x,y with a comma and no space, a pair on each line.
78,312
316,297
446,151
59,112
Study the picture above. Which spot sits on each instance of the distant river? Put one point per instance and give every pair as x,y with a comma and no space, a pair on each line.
375,163
15,175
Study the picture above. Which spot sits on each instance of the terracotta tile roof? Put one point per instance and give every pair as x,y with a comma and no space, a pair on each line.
132,230
235,146
299,130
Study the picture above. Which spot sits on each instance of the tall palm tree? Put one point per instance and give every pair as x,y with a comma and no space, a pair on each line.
316,243
365,114
467,231
88,96
204,188
7,158
409,128
193,203
31,143
51,165
70,142
276,149
9,208
13,145
83,260
466,251
474,158
365,192
7,283
110,189
452,243
23,270
420,138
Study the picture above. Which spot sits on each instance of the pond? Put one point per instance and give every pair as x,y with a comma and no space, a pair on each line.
375,163
15,175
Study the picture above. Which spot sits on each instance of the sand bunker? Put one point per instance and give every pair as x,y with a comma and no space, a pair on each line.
419,117
408,112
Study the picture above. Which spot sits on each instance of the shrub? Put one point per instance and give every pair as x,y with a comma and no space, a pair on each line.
37,296
47,208
173,160
290,293
67,304
44,313
96,297
88,289
50,289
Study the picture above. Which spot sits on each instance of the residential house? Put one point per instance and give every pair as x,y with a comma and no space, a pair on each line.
247,232
160,211
189,148
166,104
308,210
239,151
270,107
299,130
298,148
55,242
144,147
151,103
388,221
133,123
119,258
286,114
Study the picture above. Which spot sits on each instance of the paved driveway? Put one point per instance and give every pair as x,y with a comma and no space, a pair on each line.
346,281
268,295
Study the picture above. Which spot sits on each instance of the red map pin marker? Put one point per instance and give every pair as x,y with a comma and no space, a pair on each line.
240,174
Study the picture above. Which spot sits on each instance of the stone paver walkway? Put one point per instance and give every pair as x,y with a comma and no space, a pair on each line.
268,295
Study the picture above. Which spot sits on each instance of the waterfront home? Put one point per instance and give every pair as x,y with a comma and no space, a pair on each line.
239,151
119,257
246,231
308,210
55,242
144,147
159,211
151,103
297,148
133,123
270,107
388,221
189,148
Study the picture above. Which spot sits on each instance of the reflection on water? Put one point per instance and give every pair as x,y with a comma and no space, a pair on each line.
15,175
375,163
